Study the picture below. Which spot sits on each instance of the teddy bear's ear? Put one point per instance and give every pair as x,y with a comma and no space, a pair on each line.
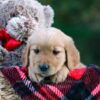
49,15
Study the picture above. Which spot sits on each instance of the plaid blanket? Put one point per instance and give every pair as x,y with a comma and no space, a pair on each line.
81,84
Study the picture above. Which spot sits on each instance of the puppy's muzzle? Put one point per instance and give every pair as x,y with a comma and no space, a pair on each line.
44,67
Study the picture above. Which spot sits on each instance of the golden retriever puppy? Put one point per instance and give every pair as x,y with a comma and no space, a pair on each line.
50,53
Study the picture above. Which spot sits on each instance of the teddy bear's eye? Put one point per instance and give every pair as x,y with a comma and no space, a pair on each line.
36,51
56,52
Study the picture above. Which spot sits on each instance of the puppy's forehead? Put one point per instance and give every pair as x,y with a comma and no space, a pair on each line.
48,36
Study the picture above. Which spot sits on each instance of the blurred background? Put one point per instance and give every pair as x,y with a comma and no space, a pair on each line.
81,20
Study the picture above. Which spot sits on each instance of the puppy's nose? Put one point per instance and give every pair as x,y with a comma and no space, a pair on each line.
43,67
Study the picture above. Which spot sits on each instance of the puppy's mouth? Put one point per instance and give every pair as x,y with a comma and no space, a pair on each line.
47,79
44,74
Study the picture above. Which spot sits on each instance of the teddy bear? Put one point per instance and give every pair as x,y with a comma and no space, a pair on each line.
18,20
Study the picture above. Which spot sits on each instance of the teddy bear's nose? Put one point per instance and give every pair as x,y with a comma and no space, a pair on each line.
44,67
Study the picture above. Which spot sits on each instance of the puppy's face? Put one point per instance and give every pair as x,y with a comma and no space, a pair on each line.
48,51
46,56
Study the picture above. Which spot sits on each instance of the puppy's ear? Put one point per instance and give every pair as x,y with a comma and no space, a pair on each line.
72,54
25,55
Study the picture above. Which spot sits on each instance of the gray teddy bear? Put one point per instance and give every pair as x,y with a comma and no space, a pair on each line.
21,18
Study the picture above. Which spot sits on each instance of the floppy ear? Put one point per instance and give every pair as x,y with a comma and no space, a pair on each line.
25,55
72,54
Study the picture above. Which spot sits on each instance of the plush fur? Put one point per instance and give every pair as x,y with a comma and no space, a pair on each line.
20,27
21,18
28,8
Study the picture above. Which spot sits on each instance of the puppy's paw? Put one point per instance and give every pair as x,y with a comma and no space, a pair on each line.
60,76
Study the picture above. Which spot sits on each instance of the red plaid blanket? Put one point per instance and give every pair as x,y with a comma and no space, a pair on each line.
81,84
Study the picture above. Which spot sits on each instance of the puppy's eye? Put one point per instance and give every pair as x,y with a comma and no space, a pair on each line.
56,52
36,51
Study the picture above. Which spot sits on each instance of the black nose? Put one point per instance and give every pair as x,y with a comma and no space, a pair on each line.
43,67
